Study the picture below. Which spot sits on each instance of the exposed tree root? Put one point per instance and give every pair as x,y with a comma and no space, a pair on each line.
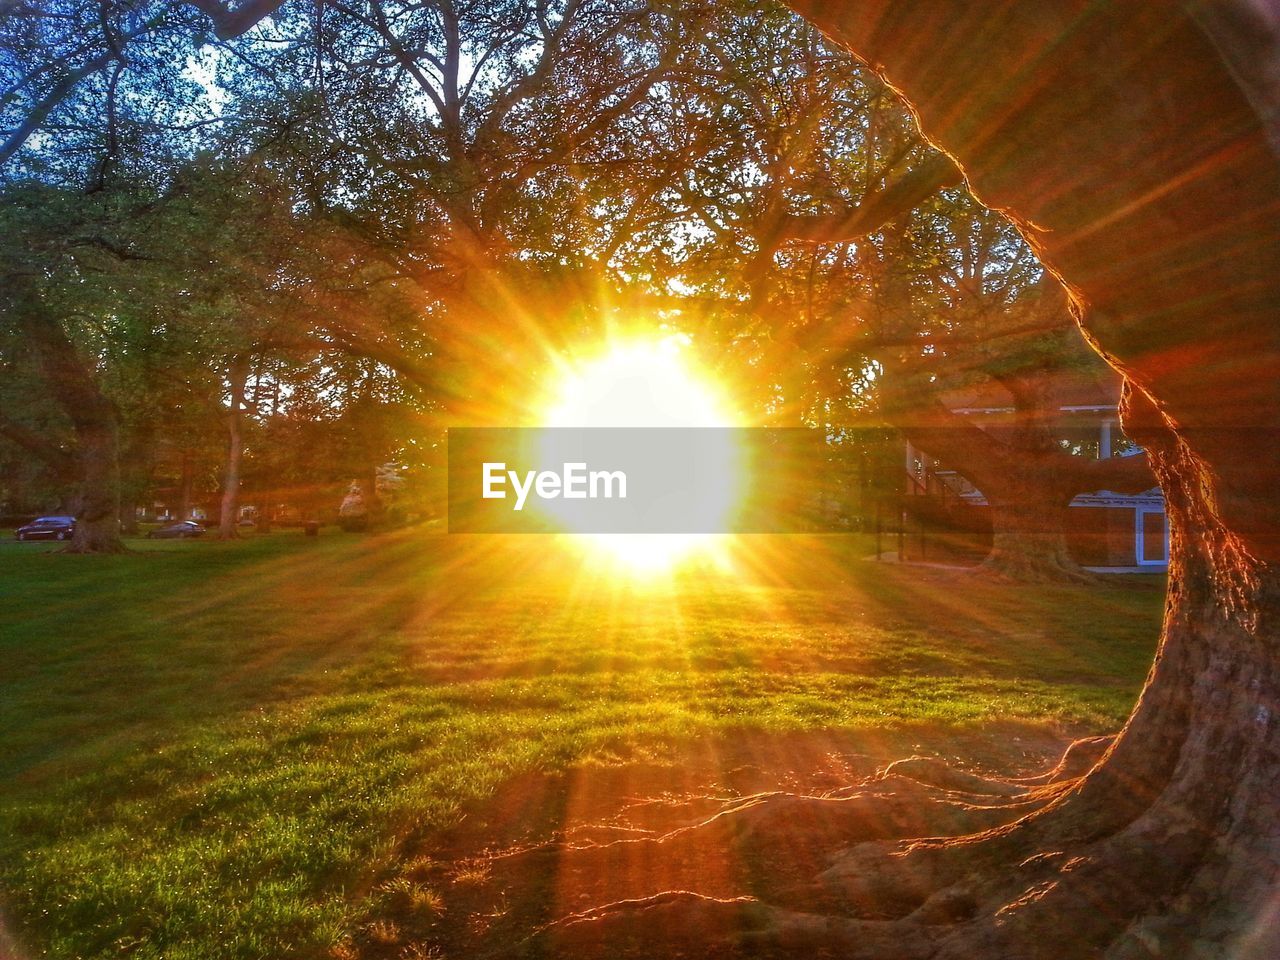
683,924
773,874
1079,758
782,874
935,899
1030,568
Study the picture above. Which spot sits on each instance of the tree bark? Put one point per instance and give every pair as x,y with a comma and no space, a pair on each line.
93,417
185,483
1029,541
97,505
1139,169
228,517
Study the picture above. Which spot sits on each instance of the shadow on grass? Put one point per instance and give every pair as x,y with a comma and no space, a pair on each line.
223,750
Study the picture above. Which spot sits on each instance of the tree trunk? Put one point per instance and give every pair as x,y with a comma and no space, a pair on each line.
185,484
1028,479
1177,830
1142,173
1027,484
1028,538
97,504
229,517
1029,507
129,516
93,417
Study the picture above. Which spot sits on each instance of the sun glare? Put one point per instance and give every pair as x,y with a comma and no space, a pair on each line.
646,383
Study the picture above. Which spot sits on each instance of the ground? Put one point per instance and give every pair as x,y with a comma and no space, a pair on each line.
379,745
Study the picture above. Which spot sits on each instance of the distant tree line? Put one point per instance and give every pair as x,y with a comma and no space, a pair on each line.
265,249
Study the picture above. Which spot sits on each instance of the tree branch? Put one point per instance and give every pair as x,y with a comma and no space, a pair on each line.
935,173
228,23
59,92
1117,474
952,438
62,461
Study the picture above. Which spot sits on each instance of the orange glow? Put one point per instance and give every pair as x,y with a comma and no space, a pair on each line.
646,383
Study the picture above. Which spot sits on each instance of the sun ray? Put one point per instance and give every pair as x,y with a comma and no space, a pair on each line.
644,382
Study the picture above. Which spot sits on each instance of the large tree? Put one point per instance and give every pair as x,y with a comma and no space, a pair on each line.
1134,144
959,304
463,146
1135,147
65,292
836,254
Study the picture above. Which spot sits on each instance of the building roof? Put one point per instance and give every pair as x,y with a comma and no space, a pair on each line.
1095,389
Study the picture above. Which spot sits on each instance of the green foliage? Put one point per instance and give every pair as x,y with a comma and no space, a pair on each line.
450,192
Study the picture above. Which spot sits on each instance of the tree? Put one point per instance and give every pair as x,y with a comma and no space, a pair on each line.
809,208
56,285
36,462
99,76
96,80
455,145
1140,167
862,281
1161,221
965,303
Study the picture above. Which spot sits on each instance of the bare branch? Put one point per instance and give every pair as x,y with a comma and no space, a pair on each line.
935,173
59,92
62,461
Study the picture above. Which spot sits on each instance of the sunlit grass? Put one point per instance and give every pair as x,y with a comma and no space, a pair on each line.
217,750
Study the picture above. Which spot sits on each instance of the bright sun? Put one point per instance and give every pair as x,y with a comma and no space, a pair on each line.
642,383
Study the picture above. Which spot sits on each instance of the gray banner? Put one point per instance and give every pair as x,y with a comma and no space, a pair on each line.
640,480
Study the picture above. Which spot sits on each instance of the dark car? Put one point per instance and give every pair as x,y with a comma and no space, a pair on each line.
177,531
47,528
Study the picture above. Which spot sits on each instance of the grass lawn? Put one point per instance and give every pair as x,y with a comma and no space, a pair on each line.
222,750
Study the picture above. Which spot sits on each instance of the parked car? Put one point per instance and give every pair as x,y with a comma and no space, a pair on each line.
47,528
177,531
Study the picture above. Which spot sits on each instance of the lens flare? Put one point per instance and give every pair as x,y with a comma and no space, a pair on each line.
647,383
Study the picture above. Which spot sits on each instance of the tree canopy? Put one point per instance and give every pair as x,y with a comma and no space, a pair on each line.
275,219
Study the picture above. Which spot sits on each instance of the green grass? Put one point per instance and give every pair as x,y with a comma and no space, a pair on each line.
216,750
